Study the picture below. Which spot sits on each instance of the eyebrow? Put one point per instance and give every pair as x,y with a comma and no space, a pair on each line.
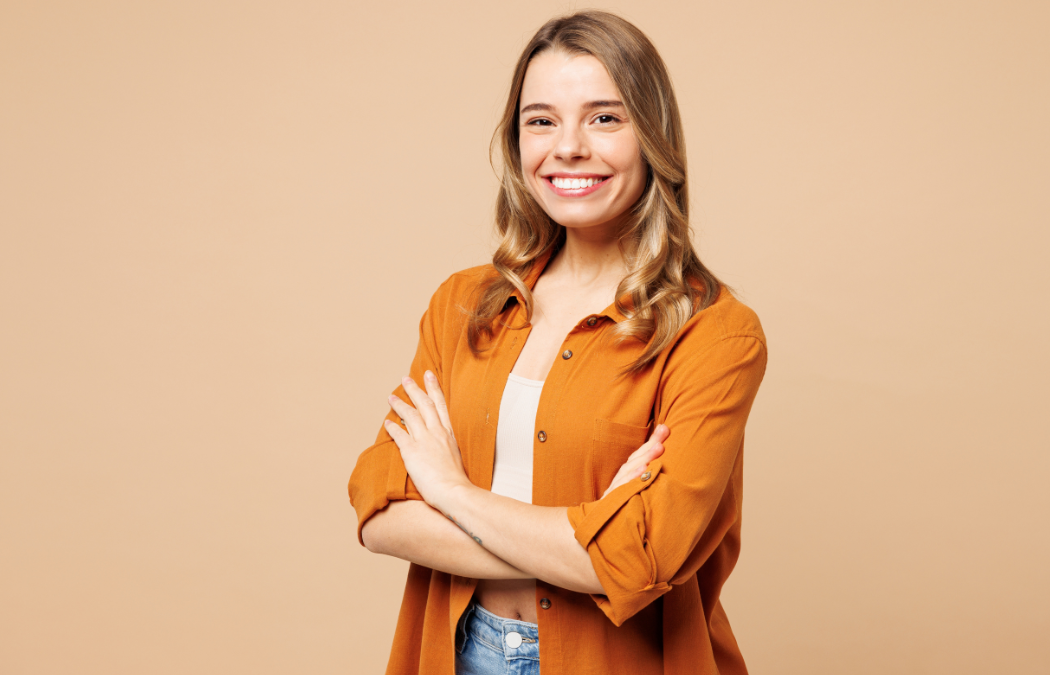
586,106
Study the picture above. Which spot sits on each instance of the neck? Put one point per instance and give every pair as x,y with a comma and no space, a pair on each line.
589,255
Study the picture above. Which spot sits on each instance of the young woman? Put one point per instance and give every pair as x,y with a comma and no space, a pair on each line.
563,465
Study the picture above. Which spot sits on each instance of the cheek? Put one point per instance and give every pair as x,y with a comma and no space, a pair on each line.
639,175
635,167
626,159
532,153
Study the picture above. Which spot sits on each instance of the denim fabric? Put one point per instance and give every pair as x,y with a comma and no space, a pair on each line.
485,644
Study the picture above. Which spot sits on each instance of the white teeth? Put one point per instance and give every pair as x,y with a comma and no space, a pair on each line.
574,183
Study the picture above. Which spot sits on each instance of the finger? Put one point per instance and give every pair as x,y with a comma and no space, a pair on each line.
628,471
641,449
617,481
424,404
410,416
655,452
438,397
648,445
636,466
396,432
659,435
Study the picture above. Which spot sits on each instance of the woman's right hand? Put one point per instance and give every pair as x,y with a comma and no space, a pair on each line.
636,463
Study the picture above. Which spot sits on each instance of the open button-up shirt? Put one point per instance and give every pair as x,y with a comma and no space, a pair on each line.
662,545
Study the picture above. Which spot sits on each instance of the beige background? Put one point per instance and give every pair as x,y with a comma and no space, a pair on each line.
221,222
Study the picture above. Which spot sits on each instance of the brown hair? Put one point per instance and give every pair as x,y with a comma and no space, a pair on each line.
654,241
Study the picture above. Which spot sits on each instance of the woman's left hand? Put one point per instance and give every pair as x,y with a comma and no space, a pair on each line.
428,447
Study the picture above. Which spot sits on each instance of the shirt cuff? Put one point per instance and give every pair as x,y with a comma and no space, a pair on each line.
619,556
378,479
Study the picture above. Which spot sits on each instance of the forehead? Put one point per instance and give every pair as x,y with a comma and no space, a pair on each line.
562,79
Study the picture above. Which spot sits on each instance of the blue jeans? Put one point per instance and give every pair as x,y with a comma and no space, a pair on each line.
487,644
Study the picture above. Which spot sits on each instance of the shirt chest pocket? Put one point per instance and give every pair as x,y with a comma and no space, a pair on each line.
612,443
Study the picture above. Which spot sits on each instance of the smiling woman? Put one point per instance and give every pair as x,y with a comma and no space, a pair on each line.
576,141
563,465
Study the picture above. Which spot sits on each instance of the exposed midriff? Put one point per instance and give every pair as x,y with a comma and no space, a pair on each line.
509,598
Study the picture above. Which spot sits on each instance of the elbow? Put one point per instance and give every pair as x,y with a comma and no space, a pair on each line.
589,582
594,588
582,581
626,585
581,574
371,534
619,604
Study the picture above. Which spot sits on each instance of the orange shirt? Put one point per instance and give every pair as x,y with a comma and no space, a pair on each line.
662,545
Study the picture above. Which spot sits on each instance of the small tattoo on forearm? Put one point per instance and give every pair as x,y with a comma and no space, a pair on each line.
460,525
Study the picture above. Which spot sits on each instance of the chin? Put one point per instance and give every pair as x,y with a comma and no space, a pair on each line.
580,223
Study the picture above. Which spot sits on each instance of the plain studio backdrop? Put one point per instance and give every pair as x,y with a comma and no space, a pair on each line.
220,223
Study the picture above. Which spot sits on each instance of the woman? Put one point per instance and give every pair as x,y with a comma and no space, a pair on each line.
563,466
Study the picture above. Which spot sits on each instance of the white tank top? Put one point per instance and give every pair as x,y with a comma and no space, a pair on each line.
512,470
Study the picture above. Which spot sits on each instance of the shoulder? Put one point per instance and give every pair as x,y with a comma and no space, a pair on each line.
728,317
471,276
457,294
725,322
459,286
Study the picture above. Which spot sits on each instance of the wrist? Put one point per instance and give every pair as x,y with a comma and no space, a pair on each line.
455,496
455,505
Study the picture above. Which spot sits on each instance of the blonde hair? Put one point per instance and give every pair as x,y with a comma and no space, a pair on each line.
654,240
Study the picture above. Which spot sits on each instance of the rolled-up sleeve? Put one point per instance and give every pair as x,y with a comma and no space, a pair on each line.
379,476
657,530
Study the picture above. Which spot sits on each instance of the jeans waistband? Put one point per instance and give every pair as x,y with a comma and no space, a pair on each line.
493,630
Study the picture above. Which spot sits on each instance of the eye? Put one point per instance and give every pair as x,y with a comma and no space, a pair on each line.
539,122
606,118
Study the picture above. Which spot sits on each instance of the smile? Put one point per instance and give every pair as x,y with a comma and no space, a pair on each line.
575,187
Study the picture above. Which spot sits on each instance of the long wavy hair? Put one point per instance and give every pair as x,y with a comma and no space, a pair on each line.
666,282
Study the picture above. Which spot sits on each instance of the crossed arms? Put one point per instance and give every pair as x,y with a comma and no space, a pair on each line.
463,529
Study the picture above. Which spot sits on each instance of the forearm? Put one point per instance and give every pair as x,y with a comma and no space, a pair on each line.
413,531
538,540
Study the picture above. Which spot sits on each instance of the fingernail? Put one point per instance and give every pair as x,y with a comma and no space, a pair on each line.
429,375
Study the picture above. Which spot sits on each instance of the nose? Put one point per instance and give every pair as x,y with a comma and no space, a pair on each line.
571,144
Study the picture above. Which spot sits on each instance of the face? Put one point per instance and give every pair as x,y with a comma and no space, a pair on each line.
579,154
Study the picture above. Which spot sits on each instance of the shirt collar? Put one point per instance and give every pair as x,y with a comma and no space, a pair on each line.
537,268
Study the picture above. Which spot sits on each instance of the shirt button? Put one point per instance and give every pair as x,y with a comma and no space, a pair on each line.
647,475
591,321
567,354
542,436
545,603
